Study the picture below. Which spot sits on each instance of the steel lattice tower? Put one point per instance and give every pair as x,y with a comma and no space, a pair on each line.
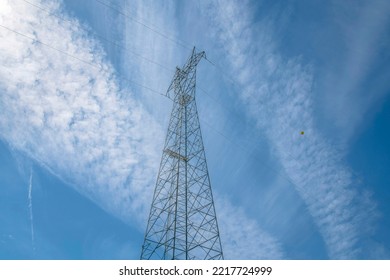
182,221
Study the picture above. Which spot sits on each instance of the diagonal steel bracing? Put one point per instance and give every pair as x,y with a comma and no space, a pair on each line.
182,222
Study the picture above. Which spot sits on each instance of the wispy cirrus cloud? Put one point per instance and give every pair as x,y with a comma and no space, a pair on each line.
355,82
278,93
242,237
70,114
62,106
236,228
150,30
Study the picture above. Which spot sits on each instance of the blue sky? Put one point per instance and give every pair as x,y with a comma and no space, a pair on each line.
82,124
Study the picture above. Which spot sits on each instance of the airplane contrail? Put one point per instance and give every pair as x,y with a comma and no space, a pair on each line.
30,207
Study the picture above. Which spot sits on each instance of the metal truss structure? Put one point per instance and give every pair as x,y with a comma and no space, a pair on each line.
182,222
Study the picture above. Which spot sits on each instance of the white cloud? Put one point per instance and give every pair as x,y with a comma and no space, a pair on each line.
278,94
242,237
150,32
69,116
353,82
236,227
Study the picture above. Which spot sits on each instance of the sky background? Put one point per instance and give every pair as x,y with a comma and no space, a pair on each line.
83,119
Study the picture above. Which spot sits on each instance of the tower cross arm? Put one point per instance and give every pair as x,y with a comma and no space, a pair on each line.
182,73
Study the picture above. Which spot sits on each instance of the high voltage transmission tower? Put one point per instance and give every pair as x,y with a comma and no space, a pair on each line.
182,222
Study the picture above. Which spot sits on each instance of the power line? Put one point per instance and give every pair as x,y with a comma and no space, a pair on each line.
134,82
131,81
170,70
104,38
174,40
247,150
221,70
79,59
157,92
185,45
137,84
242,147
